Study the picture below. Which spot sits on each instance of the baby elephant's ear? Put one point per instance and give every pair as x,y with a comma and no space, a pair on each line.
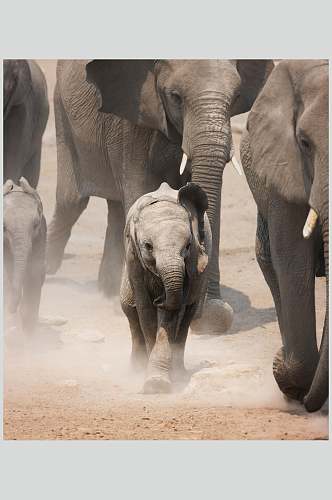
24,183
191,196
8,186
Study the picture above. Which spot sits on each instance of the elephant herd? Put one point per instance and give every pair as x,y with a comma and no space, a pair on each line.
152,137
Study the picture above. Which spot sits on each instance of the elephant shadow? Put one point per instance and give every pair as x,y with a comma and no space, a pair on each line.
246,317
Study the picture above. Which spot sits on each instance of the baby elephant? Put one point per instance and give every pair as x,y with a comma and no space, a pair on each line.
167,247
24,236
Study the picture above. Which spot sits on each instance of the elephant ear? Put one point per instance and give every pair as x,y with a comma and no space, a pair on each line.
8,186
24,183
274,149
195,201
253,74
128,90
16,82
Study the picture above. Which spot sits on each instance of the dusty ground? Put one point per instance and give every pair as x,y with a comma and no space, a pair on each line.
67,388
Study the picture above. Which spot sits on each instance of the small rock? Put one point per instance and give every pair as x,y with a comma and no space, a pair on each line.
92,336
53,320
72,336
69,383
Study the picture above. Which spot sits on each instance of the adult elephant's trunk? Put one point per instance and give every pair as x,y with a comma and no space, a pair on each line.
171,272
207,141
207,137
319,390
20,257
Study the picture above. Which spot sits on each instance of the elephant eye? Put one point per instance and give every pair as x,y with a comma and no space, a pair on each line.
305,145
175,96
186,249
148,246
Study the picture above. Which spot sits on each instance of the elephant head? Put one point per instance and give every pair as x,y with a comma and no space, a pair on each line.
16,83
22,222
170,234
293,162
191,103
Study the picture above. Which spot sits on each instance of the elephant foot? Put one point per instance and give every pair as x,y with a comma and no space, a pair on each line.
292,378
216,319
157,384
180,374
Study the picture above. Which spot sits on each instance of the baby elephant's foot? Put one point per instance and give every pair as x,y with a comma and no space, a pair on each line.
157,384
217,318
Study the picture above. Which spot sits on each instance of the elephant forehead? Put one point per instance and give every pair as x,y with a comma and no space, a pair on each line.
19,207
163,217
19,200
164,210
315,86
198,74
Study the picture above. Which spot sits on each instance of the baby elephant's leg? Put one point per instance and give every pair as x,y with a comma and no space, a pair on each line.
139,356
178,370
160,361
31,299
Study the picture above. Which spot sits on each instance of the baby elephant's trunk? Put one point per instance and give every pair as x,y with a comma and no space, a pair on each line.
171,271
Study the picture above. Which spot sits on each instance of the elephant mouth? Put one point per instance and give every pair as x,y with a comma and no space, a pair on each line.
160,301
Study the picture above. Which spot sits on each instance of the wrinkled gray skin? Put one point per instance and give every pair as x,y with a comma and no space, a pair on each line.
167,249
25,113
24,239
152,112
285,158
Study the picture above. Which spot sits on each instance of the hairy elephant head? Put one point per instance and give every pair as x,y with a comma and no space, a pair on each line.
16,83
293,162
191,103
22,223
170,234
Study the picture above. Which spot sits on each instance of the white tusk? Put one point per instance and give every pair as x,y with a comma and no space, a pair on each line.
310,223
236,165
183,163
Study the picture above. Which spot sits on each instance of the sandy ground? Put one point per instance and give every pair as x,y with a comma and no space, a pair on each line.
68,387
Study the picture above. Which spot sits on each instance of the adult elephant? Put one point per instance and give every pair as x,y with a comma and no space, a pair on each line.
25,114
153,112
285,158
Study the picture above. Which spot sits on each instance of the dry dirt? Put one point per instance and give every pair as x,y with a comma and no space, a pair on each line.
65,387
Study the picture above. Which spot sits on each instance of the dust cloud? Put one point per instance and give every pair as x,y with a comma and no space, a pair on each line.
77,366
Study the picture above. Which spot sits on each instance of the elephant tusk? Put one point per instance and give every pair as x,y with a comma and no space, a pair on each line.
183,163
234,161
236,165
310,223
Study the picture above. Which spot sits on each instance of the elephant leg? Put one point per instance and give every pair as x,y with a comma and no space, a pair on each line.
110,270
179,371
138,353
264,259
32,168
66,213
69,202
32,287
294,261
160,359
